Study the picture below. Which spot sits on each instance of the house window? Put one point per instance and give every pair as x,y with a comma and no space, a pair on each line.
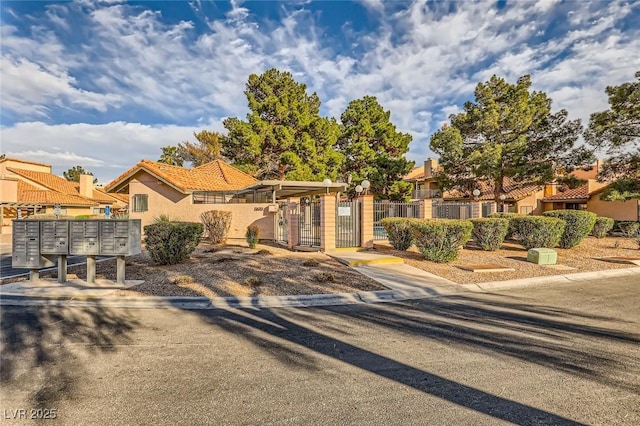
209,197
98,210
526,209
140,203
575,206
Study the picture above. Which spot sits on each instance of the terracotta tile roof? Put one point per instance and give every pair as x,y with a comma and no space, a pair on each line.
17,160
28,193
416,173
512,190
122,198
48,180
213,176
579,193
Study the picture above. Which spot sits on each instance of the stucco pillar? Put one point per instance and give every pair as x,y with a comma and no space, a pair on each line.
293,223
327,222
426,209
367,219
476,210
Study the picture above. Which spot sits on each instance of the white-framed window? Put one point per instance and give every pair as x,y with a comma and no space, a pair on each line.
140,203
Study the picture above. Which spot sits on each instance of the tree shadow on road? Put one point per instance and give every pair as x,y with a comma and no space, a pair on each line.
43,347
502,327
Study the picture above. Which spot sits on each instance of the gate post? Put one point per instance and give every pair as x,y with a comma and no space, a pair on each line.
327,222
366,221
426,208
293,219
476,209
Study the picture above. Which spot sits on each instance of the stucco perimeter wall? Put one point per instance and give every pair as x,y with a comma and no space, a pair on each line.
164,200
618,210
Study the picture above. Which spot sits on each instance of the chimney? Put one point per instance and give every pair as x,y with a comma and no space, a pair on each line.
86,186
430,167
550,189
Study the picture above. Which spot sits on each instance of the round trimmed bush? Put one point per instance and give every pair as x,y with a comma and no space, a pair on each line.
440,240
169,243
629,229
511,234
398,232
538,231
489,232
602,226
579,224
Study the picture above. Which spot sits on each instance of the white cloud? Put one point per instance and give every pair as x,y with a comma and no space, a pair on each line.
106,149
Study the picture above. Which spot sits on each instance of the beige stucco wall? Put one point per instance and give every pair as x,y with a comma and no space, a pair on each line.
618,210
534,200
8,190
164,200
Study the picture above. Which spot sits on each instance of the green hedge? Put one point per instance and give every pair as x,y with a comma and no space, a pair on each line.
538,231
398,232
579,224
629,229
602,227
252,235
511,234
169,243
489,232
439,240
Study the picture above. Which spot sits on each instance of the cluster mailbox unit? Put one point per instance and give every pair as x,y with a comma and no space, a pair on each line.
36,242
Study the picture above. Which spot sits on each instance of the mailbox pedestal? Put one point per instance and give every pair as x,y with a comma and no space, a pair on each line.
91,269
62,268
120,264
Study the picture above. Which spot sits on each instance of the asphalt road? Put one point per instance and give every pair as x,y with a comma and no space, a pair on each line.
563,354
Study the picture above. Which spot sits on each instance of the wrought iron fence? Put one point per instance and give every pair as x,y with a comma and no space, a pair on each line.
348,224
282,226
309,222
460,210
385,209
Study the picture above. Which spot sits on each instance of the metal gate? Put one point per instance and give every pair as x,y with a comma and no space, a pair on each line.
347,224
309,222
282,226
385,209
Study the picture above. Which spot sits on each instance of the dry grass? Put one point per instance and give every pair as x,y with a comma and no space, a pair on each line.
234,270
512,255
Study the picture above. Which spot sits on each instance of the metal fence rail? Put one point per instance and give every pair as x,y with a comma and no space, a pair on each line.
385,209
282,226
459,210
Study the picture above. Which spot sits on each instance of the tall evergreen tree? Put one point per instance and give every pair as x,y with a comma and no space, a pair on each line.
508,132
73,174
616,132
284,136
374,149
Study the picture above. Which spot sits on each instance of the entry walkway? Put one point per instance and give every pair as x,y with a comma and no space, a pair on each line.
392,272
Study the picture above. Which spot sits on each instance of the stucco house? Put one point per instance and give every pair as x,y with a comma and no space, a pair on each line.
29,188
156,189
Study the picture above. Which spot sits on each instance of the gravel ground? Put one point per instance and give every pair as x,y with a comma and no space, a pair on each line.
234,270
513,255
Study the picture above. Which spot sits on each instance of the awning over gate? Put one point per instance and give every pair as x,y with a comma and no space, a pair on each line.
286,189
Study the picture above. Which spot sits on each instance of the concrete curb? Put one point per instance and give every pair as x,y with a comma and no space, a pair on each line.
301,301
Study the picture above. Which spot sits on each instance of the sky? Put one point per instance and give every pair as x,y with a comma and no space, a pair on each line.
105,84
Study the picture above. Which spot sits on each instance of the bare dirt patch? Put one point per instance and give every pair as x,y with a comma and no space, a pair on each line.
512,255
224,271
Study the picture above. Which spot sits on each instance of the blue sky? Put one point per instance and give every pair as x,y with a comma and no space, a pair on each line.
104,84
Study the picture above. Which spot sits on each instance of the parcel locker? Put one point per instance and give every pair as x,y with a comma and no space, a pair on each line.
120,237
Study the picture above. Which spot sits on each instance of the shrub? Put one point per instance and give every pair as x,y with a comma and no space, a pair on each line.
511,234
538,231
398,232
579,225
253,282
169,243
629,229
602,226
439,240
217,224
264,252
325,277
311,263
88,216
164,218
253,232
489,232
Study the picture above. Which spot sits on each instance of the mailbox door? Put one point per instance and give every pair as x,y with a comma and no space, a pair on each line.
54,237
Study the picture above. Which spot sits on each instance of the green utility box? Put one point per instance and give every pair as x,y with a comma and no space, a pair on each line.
542,256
